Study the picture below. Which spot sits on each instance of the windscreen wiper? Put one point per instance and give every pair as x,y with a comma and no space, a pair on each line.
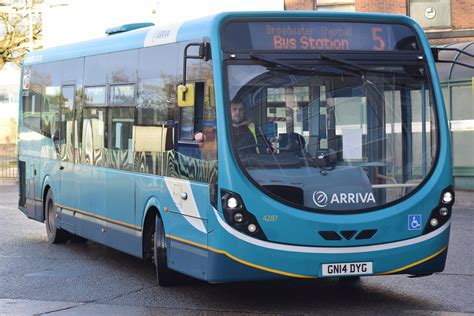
358,68
278,65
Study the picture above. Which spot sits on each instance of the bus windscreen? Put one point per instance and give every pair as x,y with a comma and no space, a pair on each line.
325,36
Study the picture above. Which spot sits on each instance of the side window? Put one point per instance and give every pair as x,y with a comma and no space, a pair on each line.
32,110
92,136
196,148
94,96
51,101
93,127
32,97
122,94
157,86
72,77
209,146
155,111
120,128
95,70
120,110
67,120
191,117
119,137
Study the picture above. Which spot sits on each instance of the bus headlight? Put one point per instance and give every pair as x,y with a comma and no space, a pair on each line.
447,197
232,202
442,212
237,215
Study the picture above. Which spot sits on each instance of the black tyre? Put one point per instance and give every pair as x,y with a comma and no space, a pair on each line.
55,235
164,275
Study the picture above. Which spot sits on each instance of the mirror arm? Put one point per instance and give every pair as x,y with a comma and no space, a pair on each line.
204,53
436,50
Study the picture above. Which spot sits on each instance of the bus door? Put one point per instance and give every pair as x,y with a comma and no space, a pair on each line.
195,159
66,154
190,163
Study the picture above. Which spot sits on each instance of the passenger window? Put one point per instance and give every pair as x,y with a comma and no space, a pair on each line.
157,88
94,96
93,126
122,94
50,101
155,112
73,76
32,110
123,67
93,129
67,119
119,138
95,70
31,98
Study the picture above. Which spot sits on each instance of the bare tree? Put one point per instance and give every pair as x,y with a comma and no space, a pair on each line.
20,31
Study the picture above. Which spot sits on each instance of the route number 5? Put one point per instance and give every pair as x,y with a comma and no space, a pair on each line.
376,32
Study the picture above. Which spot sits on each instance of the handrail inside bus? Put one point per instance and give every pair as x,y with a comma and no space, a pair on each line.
394,185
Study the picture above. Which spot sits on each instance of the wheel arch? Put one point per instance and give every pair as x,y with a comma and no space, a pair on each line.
152,209
45,189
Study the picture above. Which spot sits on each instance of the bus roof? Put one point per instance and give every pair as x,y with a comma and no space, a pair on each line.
189,30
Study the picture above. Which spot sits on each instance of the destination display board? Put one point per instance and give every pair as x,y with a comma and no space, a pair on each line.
318,36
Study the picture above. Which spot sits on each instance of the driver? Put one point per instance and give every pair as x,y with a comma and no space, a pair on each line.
247,138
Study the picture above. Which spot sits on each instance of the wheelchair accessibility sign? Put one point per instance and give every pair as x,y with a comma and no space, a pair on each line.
414,222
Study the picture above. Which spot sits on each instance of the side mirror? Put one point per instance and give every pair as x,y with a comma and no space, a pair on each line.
205,51
186,95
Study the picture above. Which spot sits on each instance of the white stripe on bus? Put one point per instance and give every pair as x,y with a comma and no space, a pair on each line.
191,211
329,250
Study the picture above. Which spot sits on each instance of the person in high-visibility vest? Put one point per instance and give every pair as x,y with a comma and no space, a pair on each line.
247,138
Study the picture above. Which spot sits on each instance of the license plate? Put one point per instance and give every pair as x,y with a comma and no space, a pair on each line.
348,268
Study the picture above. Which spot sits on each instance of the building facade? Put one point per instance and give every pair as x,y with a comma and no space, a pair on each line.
445,21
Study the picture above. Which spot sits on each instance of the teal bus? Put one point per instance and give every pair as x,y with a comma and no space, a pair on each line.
337,164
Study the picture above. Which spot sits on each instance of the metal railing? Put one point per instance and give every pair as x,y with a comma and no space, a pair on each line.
8,160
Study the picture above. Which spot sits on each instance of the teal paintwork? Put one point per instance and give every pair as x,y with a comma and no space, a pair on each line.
110,205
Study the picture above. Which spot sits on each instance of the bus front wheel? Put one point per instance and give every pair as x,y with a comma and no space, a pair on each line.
55,235
164,275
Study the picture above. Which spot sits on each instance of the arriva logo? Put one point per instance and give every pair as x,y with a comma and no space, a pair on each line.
321,199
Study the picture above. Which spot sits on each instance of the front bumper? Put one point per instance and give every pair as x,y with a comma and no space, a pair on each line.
233,256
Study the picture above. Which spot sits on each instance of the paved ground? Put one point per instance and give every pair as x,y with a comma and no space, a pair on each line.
87,278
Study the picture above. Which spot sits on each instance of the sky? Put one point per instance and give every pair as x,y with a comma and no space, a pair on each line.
67,21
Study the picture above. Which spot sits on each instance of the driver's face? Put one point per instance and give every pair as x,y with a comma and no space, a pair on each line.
237,112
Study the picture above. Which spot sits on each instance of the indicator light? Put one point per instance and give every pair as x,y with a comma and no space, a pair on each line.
443,211
434,222
238,217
